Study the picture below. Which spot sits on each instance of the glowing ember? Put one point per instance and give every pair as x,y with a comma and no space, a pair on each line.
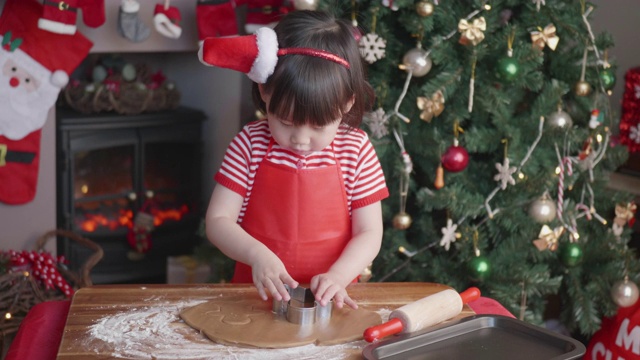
93,222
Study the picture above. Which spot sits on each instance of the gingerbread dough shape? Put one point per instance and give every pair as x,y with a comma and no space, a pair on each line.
250,322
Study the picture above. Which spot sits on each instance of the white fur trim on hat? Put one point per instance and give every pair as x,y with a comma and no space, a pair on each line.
267,57
165,27
56,27
59,78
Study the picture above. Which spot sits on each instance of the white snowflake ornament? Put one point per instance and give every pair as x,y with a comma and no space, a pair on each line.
637,91
634,133
505,173
377,121
372,47
449,234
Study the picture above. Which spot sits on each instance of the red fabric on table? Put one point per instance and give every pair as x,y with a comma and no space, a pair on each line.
40,332
486,305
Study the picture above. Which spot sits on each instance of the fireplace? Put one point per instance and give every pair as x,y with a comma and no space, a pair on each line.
114,169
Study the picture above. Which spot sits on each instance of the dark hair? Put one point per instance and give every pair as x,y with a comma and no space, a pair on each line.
312,90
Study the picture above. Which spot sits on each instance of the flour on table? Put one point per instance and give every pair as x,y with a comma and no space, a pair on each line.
157,332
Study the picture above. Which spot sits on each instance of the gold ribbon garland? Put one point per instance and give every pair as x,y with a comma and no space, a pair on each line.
431,107
546,36
472,32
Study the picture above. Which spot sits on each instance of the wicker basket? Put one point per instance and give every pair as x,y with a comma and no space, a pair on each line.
130,99
19,290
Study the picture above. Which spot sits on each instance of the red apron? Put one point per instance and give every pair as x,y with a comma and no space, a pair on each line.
301,215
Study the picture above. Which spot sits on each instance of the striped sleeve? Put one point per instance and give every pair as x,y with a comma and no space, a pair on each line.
235,169
369,185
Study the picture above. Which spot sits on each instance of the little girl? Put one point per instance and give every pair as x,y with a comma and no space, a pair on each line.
298,194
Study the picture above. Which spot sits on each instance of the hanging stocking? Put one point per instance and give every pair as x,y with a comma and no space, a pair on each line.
36,65
216,18
129,24
139,235
262,13
167,20
60,16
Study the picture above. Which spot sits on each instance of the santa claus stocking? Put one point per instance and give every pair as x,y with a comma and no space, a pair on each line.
262,13
60,16
19,162
129,24
216,18
167,20
34,66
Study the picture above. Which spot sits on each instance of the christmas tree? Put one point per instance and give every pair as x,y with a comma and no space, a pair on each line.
495,130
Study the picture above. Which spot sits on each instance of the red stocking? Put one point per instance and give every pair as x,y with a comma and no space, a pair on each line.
60,16
167,20
139,235
19,161
264,13
216,18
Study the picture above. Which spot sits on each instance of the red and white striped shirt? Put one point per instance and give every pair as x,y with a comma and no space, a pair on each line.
361,170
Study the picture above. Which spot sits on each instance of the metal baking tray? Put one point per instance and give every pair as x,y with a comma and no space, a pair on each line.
478,337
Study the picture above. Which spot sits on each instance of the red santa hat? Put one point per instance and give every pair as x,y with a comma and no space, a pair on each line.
59,54
255,55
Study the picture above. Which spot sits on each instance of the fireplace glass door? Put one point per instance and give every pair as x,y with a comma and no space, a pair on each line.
114,170
103,182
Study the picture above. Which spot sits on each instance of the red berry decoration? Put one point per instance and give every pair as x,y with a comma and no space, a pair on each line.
455,159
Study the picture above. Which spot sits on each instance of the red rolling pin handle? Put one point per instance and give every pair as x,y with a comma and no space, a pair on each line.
469,295
391,327
395,326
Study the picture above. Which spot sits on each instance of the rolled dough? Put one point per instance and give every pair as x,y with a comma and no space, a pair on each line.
250,322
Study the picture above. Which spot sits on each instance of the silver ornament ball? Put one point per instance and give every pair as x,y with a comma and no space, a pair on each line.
560,119
624,293
417,61
305,4
543,210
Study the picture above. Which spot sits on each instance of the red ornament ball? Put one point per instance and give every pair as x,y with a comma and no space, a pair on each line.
455,159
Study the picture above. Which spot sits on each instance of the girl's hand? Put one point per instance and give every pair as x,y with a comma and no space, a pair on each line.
328,286
269,274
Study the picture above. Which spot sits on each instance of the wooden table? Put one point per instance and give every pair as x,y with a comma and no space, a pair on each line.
141,321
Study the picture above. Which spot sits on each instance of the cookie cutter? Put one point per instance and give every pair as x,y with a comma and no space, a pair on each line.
302,309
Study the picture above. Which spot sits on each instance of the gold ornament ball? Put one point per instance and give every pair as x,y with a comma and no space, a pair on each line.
425,8
402,221
582,88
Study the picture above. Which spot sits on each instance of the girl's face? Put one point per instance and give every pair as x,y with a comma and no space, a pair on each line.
301,139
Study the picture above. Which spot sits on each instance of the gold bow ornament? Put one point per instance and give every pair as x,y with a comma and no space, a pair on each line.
548,238
431,107
472,32
546,36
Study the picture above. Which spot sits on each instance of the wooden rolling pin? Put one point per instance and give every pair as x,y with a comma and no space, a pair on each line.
423,313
